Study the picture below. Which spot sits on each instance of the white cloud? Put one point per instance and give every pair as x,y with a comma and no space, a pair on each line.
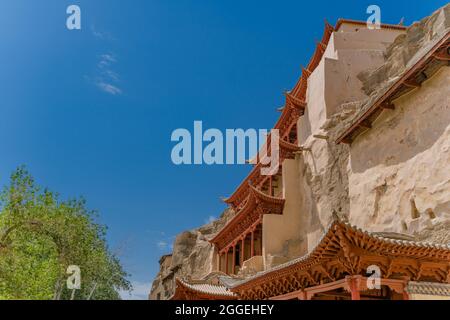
112,75
109,88
102,35
140,291
210,219
106,60
105,78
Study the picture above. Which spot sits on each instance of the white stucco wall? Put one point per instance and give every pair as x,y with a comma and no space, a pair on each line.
281,232
335,81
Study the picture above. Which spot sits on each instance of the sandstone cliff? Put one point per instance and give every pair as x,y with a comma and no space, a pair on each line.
402,51
191,257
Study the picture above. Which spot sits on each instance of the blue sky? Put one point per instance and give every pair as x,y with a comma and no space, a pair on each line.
91,111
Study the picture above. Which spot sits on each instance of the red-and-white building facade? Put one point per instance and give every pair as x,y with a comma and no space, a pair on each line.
281,244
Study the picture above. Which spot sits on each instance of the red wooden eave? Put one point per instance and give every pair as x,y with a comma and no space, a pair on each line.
294,106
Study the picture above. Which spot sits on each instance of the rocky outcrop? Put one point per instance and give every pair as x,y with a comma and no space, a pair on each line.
192,257
398,55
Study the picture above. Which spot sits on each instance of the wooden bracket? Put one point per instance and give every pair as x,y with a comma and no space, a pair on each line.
320,136
443,55
365,124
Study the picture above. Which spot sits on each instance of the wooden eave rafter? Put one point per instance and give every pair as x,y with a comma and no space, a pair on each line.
294,102
299,90
256,205
307,71
242,191
286,147
293,109
289,115
245,217
287,151
265,198
410,80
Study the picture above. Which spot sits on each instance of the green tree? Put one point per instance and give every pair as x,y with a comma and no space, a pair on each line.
40,236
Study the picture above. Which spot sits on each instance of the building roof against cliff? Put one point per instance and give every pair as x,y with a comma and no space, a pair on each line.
429,288
339,228
200,288
248,217
411,59
342,21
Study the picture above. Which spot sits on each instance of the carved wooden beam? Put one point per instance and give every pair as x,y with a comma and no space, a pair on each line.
442,55
411,83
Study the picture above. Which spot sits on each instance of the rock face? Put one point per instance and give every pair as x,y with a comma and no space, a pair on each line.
398,171
417,37
192,257
394,177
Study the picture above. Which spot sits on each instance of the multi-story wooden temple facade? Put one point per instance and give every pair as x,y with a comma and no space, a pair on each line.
357,150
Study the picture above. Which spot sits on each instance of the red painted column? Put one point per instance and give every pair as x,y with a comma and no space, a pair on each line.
405,294
233,262
226,261
302,295
252,244
354,289
242,251
355,294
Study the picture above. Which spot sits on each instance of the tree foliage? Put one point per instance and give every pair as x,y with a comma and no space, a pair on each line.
40,236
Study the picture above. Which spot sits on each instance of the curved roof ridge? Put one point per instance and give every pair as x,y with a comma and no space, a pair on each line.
261,195
206,288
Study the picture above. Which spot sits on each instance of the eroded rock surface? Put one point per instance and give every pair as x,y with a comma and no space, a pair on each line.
402,51
191,258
